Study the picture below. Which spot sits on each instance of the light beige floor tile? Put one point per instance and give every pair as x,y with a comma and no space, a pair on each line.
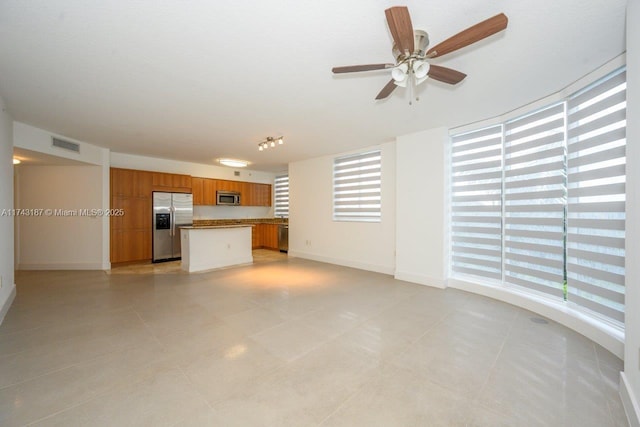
230,371
529,383
400,397
42,359
290,340
253,320
164,398
556,338
42,396
459,360
67,328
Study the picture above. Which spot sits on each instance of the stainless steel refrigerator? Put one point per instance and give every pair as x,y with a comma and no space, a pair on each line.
170,212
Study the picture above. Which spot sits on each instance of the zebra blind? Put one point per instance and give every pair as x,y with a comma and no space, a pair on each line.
281,196
534,201
596,210
356,187
476,203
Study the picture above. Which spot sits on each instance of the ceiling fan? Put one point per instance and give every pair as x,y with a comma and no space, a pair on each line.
410,51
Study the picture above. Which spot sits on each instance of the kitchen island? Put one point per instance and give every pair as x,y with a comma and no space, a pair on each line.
217,246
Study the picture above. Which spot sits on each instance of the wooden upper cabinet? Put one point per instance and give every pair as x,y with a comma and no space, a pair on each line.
171,182
130,183
209,192
251,193
197,188
245,194
261,194
181,181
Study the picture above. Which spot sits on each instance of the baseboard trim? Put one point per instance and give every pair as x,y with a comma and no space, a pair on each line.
343,262
7,304
629,401
68,266
420,279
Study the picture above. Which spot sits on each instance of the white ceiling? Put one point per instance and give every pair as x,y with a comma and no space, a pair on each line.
200,80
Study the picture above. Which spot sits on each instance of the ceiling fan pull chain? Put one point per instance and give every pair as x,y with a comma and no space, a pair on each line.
411,82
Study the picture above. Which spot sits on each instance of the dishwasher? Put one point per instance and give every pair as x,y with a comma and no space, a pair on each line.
283,237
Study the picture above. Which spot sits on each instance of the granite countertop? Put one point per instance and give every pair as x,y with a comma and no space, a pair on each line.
199,227
238,221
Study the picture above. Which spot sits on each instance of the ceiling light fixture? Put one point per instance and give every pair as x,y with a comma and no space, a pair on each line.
16,161
233,163
270,141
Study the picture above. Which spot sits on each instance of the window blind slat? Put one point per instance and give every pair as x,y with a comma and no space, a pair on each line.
614,260
481,176
535,247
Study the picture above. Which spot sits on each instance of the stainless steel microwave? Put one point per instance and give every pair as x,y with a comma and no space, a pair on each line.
227,198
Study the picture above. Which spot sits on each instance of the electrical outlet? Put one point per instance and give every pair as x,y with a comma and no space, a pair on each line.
228,245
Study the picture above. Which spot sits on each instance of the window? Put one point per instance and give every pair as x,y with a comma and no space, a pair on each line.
356,187
476,203
281,196
539,201
596,211
534,198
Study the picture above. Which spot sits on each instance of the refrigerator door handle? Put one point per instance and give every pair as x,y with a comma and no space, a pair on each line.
173,221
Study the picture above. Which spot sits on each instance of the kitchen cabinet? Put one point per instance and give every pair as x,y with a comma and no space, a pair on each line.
265,236
197,185
130,246
130,183
131,233
251,194
171,182
270,236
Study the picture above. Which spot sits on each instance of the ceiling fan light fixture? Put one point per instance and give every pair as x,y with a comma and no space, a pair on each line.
420,69
399,73
280,141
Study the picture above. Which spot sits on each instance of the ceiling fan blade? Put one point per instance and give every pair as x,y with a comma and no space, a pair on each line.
357,68
399,22
471,35
386,91
446,75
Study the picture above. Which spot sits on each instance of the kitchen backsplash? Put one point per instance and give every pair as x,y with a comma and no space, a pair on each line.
234,212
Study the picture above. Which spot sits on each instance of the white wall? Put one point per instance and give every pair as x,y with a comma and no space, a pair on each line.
8,289
60,242
233,212
314,235
420,213
35,139
39,140
630,380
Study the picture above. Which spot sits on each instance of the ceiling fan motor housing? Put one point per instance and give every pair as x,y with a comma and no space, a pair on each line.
421,42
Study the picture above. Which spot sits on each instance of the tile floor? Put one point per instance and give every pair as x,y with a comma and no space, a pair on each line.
289,342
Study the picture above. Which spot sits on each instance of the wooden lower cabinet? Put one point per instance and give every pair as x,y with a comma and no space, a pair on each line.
265,236
130,245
